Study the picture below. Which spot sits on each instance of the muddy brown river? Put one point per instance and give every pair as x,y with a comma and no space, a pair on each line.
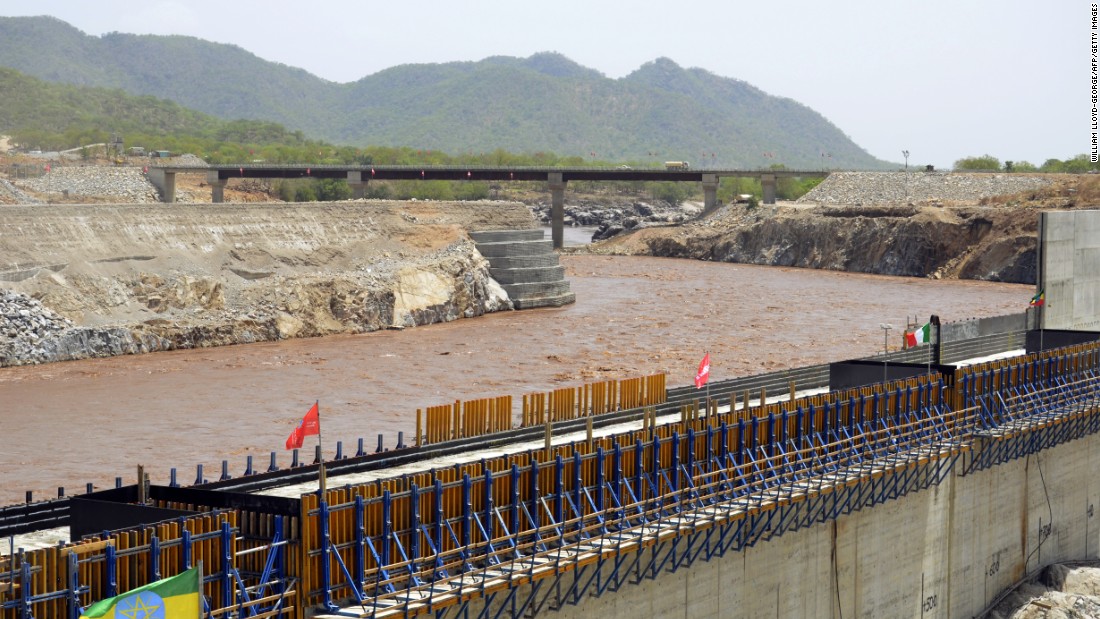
68,424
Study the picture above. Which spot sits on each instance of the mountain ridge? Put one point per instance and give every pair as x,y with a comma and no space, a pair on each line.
545,102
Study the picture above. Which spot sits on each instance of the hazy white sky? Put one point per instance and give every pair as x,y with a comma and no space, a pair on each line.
943,79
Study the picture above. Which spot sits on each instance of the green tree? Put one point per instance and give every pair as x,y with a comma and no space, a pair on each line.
331,189
671,192
471,191
304,193
1078,165
379,191
285,189
1052,166
983,163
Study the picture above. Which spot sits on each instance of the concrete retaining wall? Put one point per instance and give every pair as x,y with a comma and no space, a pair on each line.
1069,269
981,327
945,552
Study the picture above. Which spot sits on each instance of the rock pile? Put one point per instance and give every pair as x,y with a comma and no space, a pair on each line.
10,194
124,184
184,160
1055,591
613,219
865,188
26,327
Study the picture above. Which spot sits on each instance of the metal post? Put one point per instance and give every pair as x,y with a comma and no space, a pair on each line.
599,490
110,560
227,566
578,489
467,508
360,543
414,528
186,544
514,521
326,558
487,482
535,495
26,587
154,559
437,526
885,349
74,586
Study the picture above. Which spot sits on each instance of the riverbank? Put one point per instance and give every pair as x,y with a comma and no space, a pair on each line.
85,281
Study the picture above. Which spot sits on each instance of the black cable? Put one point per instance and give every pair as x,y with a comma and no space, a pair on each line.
1050,512
836,575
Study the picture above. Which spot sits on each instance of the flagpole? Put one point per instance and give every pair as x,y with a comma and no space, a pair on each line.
930,351
1042,306
708,385
320,451
202,596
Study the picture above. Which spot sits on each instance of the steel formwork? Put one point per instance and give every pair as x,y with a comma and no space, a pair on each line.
535,530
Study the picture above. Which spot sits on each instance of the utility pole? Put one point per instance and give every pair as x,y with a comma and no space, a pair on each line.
905,154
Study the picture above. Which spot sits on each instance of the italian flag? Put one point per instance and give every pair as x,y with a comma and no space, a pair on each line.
172,598
919,336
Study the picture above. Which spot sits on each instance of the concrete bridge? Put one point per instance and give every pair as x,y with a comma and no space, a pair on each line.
358,176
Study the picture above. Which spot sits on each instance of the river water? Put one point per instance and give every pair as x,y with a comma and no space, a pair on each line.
70,423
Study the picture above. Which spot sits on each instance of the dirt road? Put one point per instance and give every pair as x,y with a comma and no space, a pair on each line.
89,421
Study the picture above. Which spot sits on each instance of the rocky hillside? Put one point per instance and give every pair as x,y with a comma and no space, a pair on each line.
968,226
99,280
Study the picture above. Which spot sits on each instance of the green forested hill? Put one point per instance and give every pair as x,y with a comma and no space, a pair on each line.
542,103
51,116
32,105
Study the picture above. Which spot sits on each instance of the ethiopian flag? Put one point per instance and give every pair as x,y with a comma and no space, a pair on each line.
1039,299
172,598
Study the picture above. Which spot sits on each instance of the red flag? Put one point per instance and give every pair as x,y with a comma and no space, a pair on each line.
310,424
703,375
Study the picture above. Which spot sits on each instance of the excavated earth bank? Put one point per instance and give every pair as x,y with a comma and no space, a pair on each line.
134,279
966,226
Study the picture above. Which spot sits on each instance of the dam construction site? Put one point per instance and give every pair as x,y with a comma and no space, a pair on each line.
923,482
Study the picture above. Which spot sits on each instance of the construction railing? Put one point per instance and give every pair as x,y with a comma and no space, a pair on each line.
243,576
719,479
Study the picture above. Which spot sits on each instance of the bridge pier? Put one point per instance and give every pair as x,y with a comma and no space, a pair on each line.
710,193
217,187
767,182
357,184
164,181
557,209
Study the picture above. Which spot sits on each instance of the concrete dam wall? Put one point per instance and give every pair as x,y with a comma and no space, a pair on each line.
947,551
